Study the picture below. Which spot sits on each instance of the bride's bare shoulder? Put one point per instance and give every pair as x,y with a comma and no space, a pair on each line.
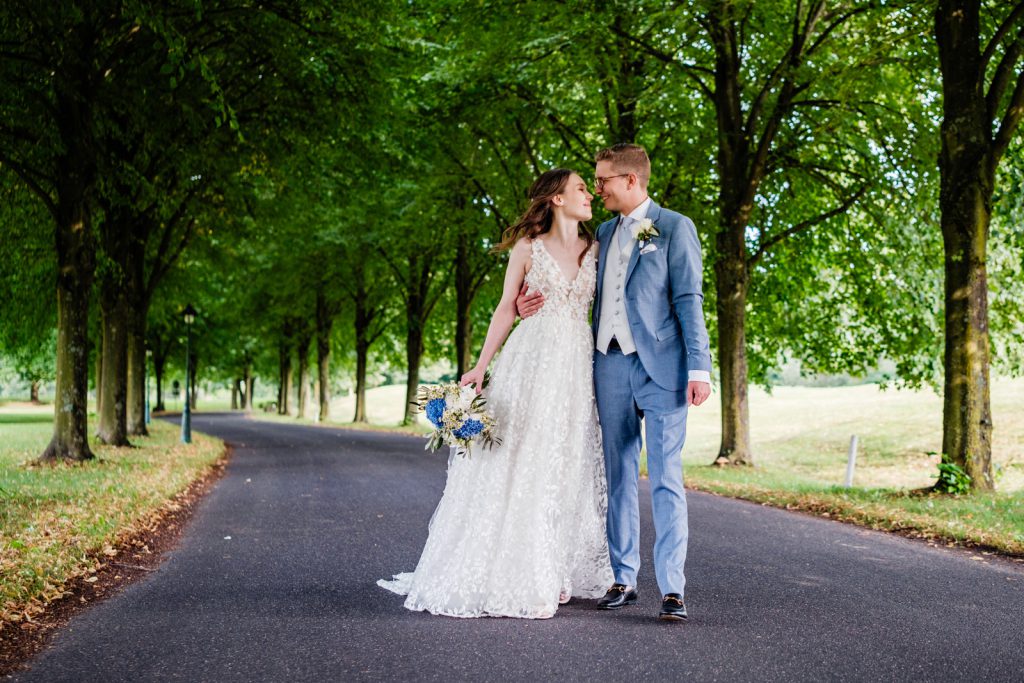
523,247
522,253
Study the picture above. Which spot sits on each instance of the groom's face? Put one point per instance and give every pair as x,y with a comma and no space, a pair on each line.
612,185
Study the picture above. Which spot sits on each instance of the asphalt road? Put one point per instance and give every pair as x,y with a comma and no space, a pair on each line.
274,581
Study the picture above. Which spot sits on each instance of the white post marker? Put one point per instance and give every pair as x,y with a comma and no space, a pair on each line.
851,460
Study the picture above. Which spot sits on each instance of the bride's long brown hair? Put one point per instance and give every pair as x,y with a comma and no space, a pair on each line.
538,217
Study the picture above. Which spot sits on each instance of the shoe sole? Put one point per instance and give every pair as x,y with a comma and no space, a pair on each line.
671,617
615,607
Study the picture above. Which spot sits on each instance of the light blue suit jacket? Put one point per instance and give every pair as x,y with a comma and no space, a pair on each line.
664,299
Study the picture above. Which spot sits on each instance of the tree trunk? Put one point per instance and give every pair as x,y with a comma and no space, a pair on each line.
463,306
137,375
361,353
361,358
112,427
138,311
413,356
732,362
284,385
303,357
158,371
98,381
34,392
966,411
324,323
75,175
967,169
731,273
75,260
247,394
234,393
417,309
250,382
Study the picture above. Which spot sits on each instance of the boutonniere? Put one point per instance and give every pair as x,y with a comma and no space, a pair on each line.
643,232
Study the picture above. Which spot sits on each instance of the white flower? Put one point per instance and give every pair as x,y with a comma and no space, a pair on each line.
644,230
466,396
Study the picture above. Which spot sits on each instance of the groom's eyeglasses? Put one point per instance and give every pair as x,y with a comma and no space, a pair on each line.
599,182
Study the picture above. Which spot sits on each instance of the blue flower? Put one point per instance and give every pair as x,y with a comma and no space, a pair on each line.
435,411
468,429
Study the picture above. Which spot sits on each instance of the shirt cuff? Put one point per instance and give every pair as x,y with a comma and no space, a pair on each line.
700,376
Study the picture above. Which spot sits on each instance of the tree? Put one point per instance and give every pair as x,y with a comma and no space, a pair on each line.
50,103
791,120
982,106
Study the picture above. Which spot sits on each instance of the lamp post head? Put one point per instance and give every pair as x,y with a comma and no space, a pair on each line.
190,314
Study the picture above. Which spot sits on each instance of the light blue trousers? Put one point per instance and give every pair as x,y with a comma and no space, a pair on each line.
625,395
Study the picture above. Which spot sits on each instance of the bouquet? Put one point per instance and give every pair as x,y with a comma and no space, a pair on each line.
458,416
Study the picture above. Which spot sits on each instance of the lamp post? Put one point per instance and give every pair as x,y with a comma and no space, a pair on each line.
186,414
145,372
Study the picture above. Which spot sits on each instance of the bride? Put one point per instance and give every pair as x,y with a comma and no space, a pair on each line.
520,528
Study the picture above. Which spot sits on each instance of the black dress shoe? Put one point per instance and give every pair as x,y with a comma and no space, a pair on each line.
672,608
618,596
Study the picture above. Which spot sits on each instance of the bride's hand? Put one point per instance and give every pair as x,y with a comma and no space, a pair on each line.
474,376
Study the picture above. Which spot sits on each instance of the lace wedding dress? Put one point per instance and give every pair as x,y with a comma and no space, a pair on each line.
523,524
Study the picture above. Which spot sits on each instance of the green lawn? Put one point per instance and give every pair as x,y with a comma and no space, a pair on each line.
803,433
56,523
800,438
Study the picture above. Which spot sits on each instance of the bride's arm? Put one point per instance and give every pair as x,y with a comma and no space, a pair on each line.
504,315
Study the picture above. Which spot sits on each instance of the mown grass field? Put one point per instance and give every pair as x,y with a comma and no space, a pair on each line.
59,523
801,436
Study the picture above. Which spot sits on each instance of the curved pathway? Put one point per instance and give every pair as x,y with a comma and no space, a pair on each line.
274,581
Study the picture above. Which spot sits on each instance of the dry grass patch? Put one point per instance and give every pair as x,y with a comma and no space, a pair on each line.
60,523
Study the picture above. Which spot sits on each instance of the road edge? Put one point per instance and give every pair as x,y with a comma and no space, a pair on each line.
138,555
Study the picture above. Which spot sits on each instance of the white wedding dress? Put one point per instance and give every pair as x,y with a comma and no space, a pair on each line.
521,527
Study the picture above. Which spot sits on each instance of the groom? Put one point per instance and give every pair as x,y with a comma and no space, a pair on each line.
651,361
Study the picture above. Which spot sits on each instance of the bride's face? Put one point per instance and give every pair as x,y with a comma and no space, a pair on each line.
575,200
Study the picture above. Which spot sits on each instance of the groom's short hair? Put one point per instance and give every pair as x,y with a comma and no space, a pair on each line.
628,157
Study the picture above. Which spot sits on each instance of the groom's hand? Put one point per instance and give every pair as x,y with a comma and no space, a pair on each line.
528,304
697,392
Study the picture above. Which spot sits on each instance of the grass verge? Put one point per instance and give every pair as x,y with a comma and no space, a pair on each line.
990,521
61,525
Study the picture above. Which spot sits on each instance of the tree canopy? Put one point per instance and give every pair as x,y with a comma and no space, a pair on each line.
325,183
